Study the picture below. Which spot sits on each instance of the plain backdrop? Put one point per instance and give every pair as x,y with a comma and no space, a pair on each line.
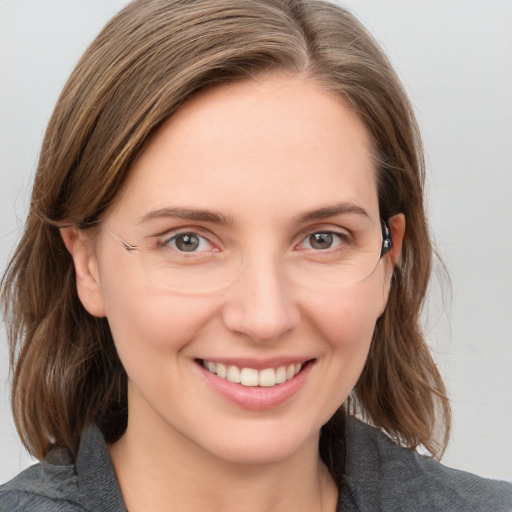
455,59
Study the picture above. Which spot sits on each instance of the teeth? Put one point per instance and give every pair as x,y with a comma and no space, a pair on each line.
267,377
221,370
248,377
233,374
281,375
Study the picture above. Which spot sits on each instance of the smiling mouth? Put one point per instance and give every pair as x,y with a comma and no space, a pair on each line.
250,377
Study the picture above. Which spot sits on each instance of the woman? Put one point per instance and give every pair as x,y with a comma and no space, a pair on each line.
223,266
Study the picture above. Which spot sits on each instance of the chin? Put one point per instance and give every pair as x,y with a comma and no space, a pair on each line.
264,443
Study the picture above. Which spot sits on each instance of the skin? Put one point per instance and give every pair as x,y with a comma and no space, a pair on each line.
262,154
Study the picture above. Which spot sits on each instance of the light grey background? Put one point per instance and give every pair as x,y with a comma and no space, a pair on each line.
455,58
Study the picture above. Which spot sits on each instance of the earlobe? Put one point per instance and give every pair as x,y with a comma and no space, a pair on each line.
88,284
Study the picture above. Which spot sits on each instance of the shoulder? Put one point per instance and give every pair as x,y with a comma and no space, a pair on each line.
48,486
60,485
384,476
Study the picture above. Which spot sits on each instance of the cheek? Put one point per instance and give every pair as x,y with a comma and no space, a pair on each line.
152,326
348,331
345,320
347,316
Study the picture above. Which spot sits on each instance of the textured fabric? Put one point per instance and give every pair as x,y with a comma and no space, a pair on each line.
381,477
56,485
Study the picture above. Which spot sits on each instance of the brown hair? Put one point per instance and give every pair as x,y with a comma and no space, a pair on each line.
147,61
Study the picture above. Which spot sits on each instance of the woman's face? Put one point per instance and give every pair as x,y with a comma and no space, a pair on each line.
240,208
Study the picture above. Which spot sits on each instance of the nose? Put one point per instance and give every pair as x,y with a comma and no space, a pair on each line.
260,303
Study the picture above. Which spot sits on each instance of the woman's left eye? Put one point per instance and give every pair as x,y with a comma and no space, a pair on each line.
322,240
188,242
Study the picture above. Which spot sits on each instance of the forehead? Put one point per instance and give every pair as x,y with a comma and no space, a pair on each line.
278,145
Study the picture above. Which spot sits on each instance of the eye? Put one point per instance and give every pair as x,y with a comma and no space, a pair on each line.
322,240
188,242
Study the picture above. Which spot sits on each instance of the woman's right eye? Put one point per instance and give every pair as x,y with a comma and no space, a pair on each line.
188,243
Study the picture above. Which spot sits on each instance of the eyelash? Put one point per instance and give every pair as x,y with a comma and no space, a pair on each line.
165,243
340,237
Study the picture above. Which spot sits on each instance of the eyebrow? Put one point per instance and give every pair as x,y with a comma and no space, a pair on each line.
331,211
184,213
217,218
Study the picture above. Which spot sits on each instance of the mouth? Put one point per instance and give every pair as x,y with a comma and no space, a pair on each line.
252,377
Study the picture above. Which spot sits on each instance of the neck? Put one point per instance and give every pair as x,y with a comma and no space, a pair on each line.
162,470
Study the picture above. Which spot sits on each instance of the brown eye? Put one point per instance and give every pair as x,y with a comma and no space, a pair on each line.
321,241
186,242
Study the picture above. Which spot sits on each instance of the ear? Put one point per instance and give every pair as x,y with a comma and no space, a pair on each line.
88,285
397,228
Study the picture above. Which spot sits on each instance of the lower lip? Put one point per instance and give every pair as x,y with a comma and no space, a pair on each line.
256,398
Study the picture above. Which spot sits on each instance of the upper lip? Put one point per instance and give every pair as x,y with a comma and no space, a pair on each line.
257,364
